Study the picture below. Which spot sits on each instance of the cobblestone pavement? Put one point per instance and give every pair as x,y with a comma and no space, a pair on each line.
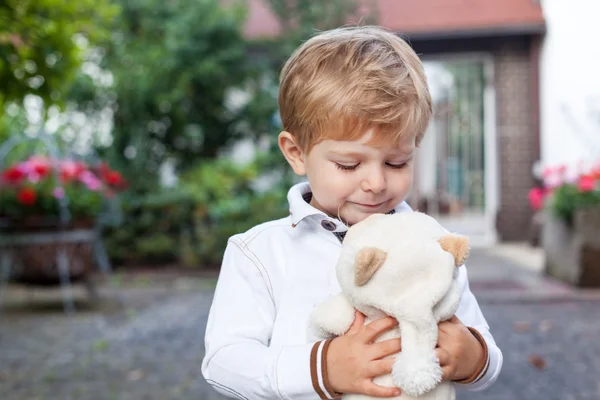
150,346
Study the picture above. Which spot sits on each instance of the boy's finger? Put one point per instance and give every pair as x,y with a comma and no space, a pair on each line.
446,371
371,389
442,356
359,321
445,327
377,327
386,348
380,367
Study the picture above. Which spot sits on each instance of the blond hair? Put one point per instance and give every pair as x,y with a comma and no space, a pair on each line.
341,83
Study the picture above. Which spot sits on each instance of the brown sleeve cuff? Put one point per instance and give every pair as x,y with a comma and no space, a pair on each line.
483,368
318,368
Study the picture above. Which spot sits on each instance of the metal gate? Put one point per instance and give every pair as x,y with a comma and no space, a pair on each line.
453,176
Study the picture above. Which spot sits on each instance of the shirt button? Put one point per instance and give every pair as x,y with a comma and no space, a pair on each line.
330,226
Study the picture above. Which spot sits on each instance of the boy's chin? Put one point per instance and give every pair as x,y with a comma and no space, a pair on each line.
356,217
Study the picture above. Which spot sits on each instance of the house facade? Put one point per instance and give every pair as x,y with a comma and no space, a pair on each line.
482,60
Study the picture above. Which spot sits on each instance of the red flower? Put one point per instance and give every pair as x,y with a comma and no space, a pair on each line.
586,183
114,178
13,175
41,170
111,177
536,198
27,196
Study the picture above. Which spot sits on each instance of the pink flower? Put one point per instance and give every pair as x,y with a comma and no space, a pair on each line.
58,193
536,198
553,180
561,169
586,183
596,171
90,180
33,177
40,165
70,170
36,168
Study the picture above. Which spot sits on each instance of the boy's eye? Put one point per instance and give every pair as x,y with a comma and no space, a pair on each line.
346,167
397,166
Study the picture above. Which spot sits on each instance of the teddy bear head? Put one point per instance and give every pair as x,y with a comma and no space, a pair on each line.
389,258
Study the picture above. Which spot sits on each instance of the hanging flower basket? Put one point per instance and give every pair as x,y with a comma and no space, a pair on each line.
34,245
49,209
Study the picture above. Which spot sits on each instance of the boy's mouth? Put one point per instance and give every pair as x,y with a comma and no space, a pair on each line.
371,205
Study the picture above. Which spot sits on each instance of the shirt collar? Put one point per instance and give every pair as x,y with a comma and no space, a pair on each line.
299,197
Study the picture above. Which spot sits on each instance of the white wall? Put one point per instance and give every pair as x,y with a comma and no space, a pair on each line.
570,82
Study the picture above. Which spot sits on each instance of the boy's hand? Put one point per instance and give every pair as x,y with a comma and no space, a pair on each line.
353,359
460,353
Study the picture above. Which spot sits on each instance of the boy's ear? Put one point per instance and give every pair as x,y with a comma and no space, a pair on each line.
292,152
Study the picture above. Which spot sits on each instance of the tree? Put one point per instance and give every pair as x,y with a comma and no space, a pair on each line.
174,67
39,50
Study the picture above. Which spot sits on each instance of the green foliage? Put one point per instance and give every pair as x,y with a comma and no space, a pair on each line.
173,66
568,198
226,203
190,224
151,227
13,122
38,51
564,190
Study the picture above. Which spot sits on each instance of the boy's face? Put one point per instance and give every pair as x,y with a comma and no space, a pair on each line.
352,179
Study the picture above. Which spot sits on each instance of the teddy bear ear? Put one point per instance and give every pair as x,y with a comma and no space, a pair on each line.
367,262
457,245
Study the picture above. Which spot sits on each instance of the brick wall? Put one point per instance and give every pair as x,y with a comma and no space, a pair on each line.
517,119
518,141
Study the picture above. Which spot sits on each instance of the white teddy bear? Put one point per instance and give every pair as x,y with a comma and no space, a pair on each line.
403,265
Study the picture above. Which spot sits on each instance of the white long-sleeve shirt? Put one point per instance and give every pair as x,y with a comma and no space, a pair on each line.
272,276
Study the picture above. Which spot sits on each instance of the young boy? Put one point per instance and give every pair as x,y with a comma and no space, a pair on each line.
354,104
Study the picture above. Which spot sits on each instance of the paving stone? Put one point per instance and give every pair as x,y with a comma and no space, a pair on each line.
151,346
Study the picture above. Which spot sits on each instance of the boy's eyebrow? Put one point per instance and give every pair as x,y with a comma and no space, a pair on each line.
358,154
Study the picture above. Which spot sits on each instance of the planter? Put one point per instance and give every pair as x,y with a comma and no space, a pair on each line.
573,252
34,246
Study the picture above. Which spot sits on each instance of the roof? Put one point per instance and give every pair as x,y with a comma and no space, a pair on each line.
431,18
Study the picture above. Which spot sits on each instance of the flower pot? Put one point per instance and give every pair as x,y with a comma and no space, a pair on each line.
34,244
573,251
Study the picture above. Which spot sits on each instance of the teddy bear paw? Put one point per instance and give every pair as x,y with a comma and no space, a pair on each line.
416,373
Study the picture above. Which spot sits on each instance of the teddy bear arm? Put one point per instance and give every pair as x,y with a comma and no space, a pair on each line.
333,317
416,369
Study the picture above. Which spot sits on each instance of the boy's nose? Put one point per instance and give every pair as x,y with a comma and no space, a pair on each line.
375,182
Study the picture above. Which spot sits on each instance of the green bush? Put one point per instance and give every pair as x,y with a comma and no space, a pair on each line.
234,217
226,203
568,198
150,229
190,224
